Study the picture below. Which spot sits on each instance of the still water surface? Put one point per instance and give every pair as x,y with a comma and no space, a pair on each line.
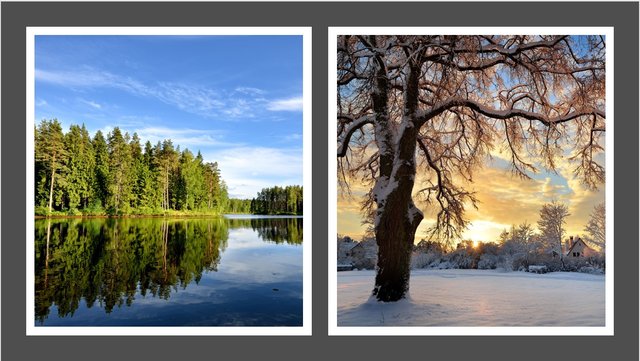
231,271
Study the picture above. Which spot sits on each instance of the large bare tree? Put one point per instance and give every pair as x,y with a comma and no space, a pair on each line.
438,105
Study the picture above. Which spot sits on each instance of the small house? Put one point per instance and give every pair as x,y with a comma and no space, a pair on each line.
365,254
345,244
578,248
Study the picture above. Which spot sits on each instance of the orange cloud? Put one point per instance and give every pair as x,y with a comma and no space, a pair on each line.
504,200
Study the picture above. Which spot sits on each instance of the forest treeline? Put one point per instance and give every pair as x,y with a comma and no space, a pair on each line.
116,175
274,200
76,174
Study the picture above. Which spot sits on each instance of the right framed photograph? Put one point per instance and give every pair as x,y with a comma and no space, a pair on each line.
471,181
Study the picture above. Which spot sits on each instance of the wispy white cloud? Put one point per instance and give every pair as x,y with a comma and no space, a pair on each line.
83,78
291,104
232,104
182,136
294,136
41,102
193,139
249,169
239,108
91,103
202,101
249,90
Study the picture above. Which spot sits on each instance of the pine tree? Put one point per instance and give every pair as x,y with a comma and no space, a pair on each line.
88,167
147,186
137,172
198,183
51,153
101,179
80,165
74,172
119,172
212,184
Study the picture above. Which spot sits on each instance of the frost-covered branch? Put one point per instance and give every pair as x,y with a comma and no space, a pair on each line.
450,220
490,112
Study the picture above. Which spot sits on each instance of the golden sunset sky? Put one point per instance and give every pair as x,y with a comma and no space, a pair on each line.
504,200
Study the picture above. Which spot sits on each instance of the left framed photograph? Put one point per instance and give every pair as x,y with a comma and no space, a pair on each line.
169,180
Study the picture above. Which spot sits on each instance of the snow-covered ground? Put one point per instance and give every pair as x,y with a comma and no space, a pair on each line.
457,297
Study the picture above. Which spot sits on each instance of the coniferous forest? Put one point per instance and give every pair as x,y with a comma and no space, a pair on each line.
115,174
274,200
278,200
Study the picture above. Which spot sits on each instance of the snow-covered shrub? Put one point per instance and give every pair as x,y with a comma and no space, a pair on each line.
446,265
594,265
427,254
419,260
345,244
597,262
425,246
425,260
463,259
488,261
591,270
554,264
505,262
364,263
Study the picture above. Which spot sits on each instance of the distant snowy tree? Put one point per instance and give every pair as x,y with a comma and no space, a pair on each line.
596,226
521,247
439,104
488,261
551,224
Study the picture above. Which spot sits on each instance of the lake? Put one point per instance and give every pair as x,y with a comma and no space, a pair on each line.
225,271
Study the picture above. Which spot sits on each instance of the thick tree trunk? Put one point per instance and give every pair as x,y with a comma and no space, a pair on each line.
397,217
395,233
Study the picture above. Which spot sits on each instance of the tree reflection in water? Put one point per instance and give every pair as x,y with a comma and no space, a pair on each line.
108,261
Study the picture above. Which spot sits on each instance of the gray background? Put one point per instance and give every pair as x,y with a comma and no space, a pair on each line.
16,16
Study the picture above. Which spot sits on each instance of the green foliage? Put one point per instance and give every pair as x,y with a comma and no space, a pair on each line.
101,178
238,206
278,200
93,259
41,211
74,212
80,168
108,260
114,175
50,161
95,208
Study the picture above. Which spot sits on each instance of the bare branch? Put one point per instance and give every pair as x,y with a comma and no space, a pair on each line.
349,130
441,107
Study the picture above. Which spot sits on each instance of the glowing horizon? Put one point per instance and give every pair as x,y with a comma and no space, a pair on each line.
504,201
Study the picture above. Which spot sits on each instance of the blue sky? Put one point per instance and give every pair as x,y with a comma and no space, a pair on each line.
237,99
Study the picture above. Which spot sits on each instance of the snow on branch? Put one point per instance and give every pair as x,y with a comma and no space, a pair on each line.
452,102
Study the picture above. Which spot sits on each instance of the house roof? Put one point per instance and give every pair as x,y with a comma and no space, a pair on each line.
576,243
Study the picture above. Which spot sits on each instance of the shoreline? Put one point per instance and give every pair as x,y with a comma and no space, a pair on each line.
200,215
